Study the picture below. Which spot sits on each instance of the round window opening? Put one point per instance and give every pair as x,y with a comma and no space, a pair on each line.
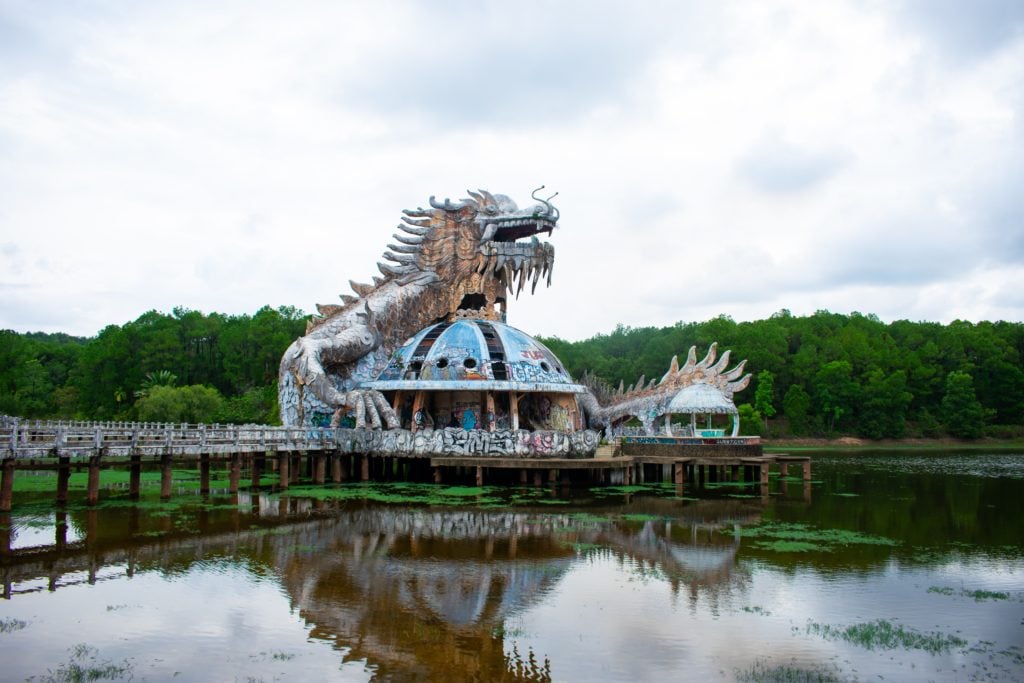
469,363
441,363
545,367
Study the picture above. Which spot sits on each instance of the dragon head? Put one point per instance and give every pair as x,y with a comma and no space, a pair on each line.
480,248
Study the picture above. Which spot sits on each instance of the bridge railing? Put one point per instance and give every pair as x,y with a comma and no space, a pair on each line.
37,438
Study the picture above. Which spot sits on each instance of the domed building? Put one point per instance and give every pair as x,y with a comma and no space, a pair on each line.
479,374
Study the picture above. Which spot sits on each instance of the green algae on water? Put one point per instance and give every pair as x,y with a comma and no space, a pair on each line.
761,672
793,537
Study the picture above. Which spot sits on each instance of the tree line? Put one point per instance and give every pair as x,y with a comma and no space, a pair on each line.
828,374
823,374
180,367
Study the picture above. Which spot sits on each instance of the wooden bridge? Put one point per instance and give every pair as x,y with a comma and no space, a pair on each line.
346,454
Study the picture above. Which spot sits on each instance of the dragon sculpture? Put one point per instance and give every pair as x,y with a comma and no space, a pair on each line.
449,258
647,402
454,259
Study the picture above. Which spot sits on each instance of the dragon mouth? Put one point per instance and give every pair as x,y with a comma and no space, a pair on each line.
512,229
516,263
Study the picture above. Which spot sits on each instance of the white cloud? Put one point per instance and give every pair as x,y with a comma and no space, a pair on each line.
736,160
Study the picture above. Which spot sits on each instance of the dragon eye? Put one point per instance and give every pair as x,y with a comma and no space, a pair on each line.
491,209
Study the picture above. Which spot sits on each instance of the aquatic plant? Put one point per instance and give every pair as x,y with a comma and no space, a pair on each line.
762,672
976,595
11,625
793,537
885,635
85,666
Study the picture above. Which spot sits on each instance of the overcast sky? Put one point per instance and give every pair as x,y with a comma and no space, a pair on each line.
712,158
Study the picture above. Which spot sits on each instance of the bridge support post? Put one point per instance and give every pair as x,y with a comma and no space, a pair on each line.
807,470
283,469
234,474
365,475
63,477
783,469
764,474
479,476
94,480
204,474
135,477
437,475
165,476
320,472
679,476
258,462
336,474
7,486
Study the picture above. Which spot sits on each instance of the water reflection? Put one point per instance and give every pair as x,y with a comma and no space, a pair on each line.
410,590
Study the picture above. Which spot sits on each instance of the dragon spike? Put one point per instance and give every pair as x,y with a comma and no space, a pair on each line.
622,387
327,309
673,368
367,315
447,206
359,288
378,281
403,249
406,239
651,384
722,363
477,197
348,298
710,358
413,230
399,258
393,271
739,385
640,383
488,197
691,360
418,212
735,372
424,223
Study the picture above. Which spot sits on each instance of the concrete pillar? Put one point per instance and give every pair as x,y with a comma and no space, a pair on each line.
764,473
135,477
337,476
537,478
437,475
679,474
165,477
93,489
6,524
491,420
513,405
524,476
7,485
365,474
417,406
552,476
204,473
807,470
479,476
783,469
284,469
321,469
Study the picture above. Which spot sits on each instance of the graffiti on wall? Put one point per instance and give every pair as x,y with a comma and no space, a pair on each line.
453,442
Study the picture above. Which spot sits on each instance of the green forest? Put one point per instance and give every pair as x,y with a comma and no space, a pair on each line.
825,374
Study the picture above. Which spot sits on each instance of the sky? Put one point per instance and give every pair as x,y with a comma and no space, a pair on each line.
711,158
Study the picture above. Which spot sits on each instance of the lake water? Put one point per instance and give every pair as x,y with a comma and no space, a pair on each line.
898,567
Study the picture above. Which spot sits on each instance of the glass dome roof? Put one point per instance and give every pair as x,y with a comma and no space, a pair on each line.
474,355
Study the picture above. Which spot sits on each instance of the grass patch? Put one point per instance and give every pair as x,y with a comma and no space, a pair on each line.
884,635
640,517
787,546
12,625
84,665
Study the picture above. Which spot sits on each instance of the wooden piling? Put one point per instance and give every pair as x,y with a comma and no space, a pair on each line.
284,469
7,485
93,489
204,473
134,477
63,477
165,477
234,474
